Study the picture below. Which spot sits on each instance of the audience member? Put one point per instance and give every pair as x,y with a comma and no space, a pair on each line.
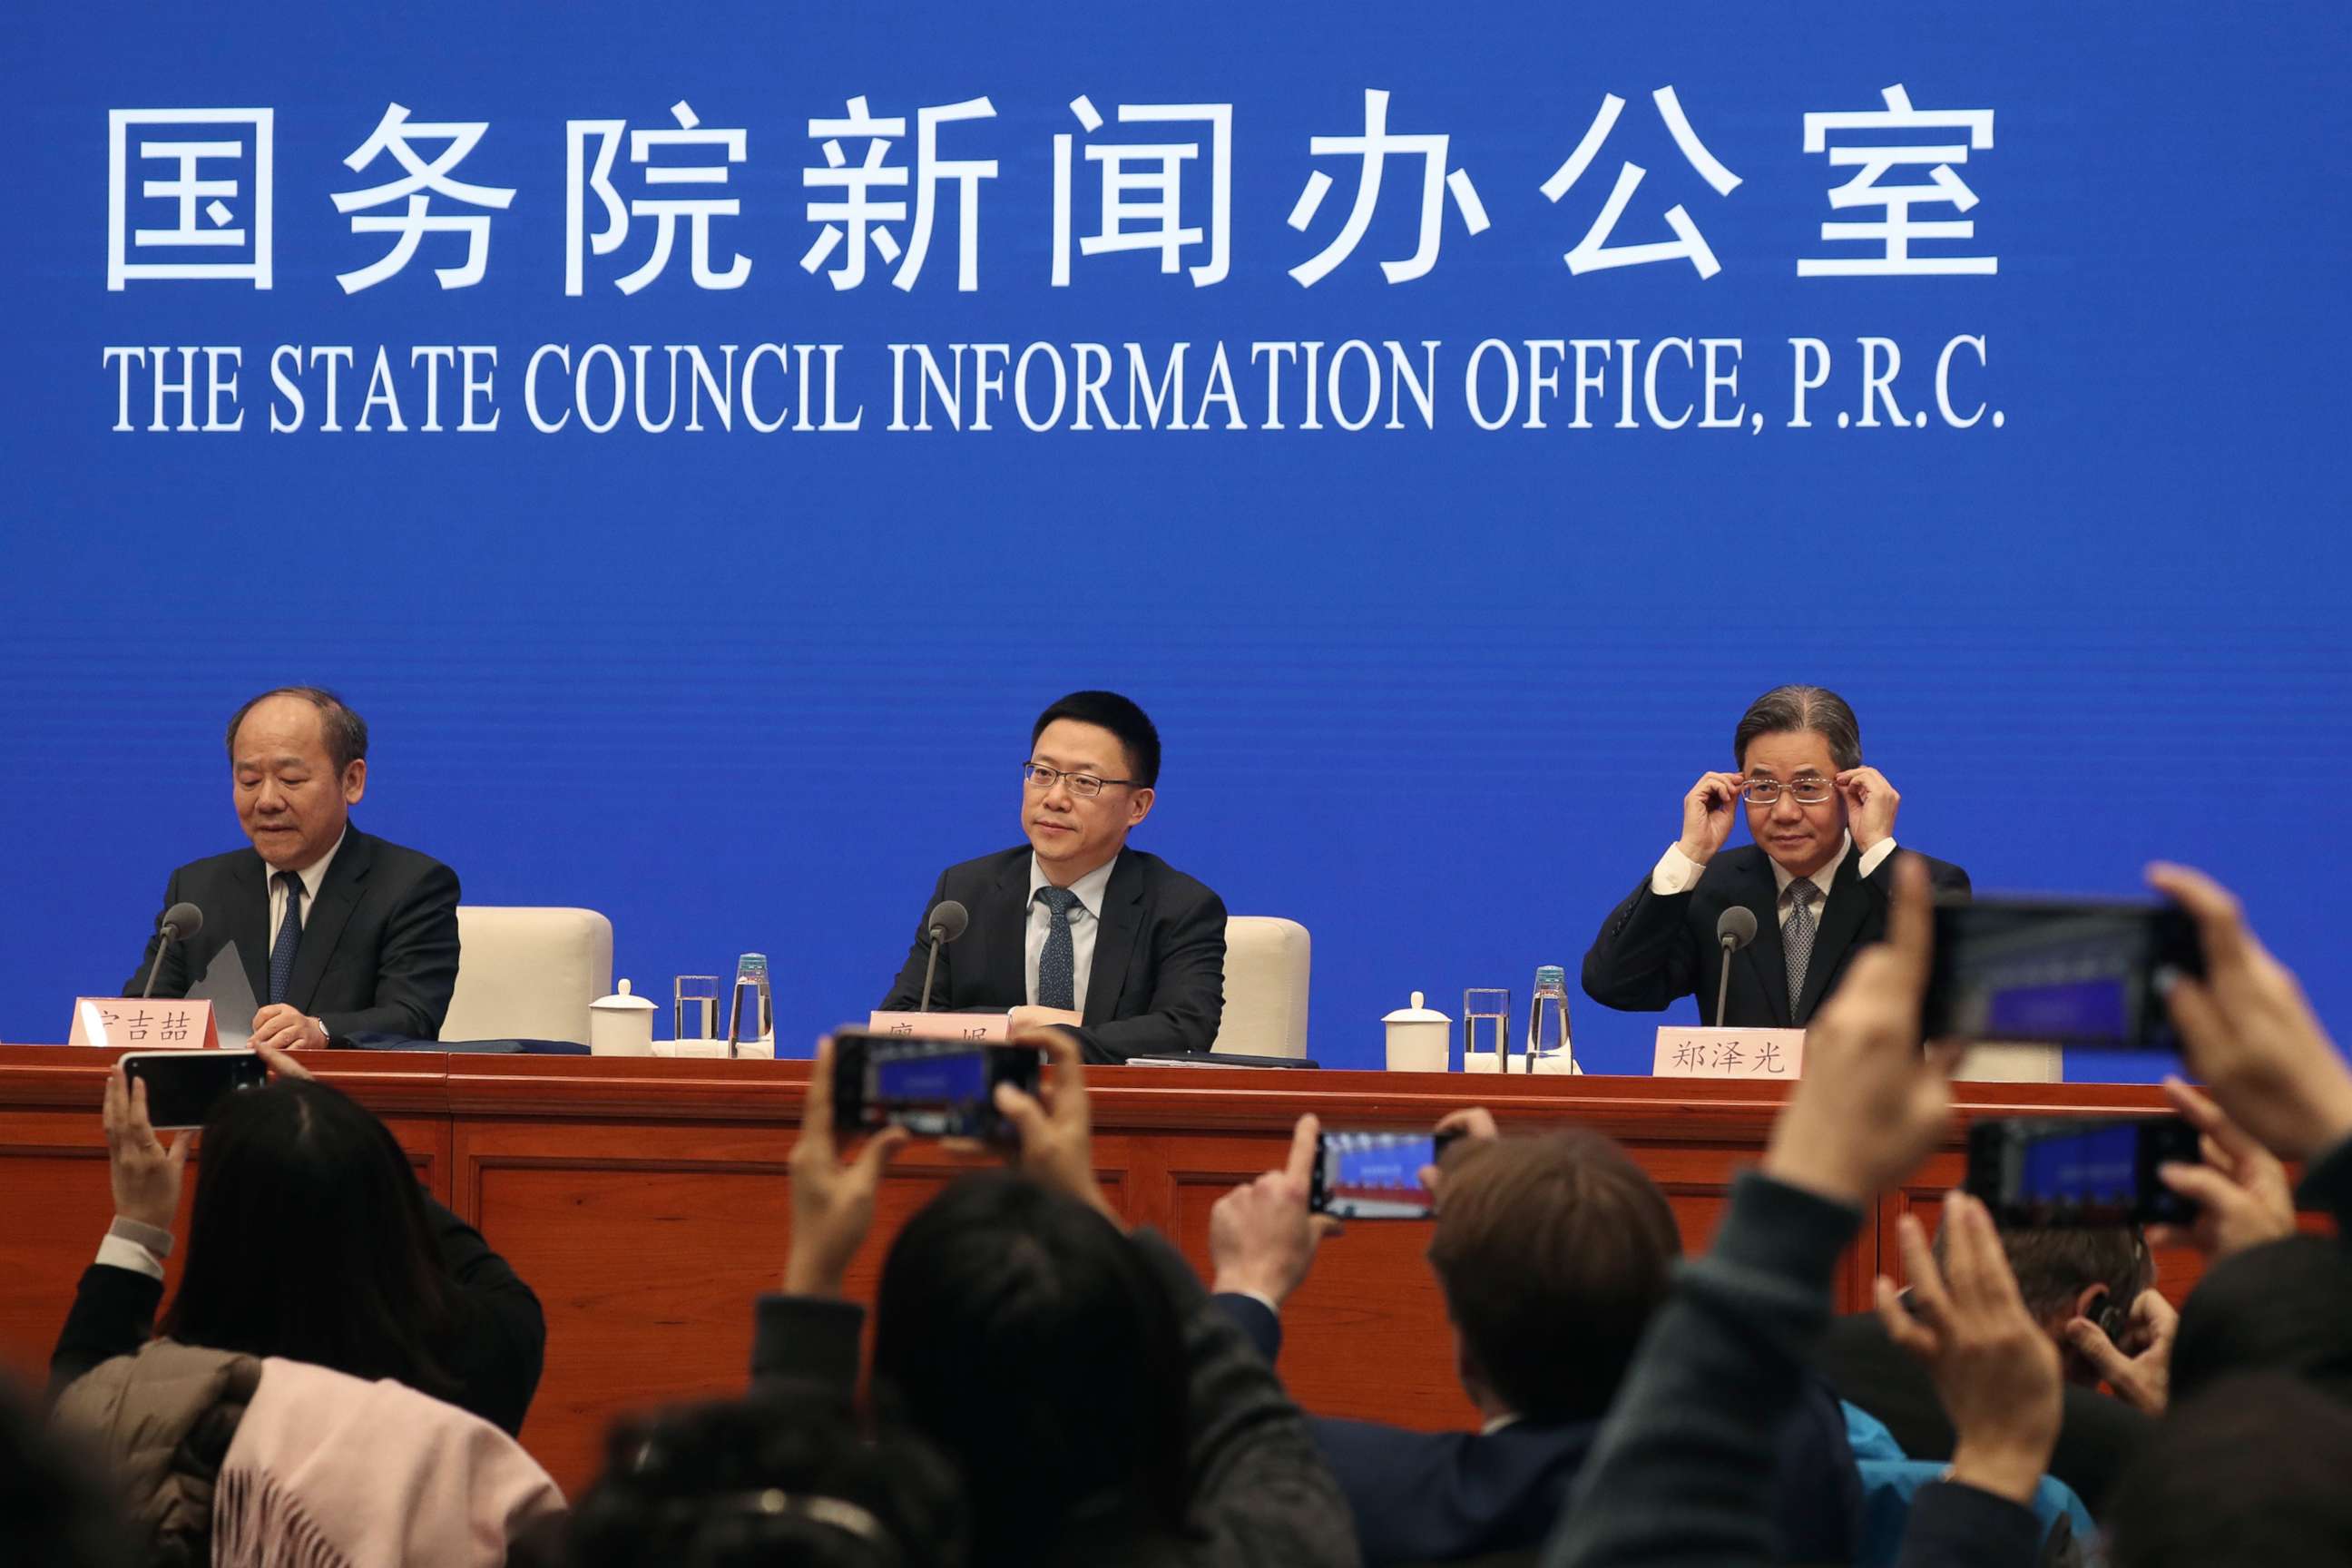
1553,1253
309,1239
57,1509
783,1481
2248,1473
1099,1407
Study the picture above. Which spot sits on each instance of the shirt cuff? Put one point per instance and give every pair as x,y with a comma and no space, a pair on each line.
121,1252
1874,856
1676,872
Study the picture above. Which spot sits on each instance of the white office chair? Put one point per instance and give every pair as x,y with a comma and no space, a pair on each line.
1266,963
528,974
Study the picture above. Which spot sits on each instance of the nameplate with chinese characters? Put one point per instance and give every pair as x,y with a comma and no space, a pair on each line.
132,1026
1758,1055
990,1027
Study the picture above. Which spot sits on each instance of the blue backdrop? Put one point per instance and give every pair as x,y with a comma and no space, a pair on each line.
1434,688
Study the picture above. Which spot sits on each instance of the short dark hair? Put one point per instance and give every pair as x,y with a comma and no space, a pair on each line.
688,1488
2278,1307
309,1240
346,731
2055,1265
2248,1474
1554,1253
1108,710
1020,1331
1790,709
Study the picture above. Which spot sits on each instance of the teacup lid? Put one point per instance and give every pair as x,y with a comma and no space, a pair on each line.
621,1000
1416,1013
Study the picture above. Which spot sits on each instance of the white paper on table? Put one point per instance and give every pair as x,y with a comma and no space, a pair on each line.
231,994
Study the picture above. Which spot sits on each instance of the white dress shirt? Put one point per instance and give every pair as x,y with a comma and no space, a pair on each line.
1677,872
313,876
1085,919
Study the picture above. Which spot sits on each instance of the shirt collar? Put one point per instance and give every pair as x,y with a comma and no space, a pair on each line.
315,873
1820,879
1500,1423
1088,887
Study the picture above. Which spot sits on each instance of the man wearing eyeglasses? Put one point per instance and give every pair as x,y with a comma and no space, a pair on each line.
1073,929
1816,876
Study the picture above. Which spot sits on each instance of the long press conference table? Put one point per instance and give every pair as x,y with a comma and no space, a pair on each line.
646,1200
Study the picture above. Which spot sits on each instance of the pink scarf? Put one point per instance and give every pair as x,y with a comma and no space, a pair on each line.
329,1471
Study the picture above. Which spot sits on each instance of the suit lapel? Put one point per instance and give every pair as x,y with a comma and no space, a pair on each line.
247,921
1842,921
338,895
1122,923
1004,965
1762,893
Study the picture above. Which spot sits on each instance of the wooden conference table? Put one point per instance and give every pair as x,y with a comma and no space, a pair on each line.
645,1200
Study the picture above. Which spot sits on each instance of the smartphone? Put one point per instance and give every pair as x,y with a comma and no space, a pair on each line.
2044,1172
1374,1175
2059,973
182,1087
936,1088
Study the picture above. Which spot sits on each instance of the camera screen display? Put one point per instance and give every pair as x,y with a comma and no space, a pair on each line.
935,1092
182,1087
1376,1175
2033,1172
2094,1169
2085,974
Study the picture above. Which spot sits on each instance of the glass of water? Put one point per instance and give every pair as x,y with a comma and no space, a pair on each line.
696,1017
1486,1028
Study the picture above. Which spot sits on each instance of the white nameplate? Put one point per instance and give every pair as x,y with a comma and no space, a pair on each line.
123,1023
1756,1055
992,1027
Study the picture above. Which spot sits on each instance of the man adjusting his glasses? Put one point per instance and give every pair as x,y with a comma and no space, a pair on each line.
1816,879
1073,929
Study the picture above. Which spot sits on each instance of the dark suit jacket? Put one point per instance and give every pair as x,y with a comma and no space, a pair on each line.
1158,983
495,1347
379,950
1433,1497
1652,951
2095,1442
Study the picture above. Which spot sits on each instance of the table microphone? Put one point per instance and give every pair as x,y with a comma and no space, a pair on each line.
1735,929
947,922
179,920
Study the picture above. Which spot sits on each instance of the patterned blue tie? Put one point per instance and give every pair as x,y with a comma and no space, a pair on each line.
1057,967
289,937
1797,937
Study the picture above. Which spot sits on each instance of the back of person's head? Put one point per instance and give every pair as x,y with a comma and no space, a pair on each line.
56,1509
1138,736
1019,1330
776,1480
2284,1307
309,1240
2248,1474
1554,1253
2056,1267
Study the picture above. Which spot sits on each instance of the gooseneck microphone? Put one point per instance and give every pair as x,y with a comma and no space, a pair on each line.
179,920
1733,929
947,922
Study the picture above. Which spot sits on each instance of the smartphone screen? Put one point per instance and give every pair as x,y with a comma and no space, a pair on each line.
1373,1175
182,1087
2069,973
2042,1172
935,1088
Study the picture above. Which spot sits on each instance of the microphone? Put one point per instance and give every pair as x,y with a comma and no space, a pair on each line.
947,922
179,920
1735,929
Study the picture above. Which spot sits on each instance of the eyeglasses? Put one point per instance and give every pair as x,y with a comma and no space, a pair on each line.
1086,787
1806,791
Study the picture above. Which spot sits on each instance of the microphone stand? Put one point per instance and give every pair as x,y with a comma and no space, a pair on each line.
171,935
930,966
1723,983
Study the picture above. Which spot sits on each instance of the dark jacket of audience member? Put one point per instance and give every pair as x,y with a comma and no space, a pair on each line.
2283,1307
311,1239
1100,1408
2250,1473
1682,1473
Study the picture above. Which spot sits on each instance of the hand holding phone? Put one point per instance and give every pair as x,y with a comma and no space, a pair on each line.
2048,1172
2068,973
1375,1175
933,1088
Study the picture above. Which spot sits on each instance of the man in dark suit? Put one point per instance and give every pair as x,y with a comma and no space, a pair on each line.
340,933
1074,929
1816,879
1554,1254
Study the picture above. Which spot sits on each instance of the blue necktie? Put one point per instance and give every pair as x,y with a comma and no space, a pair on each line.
289,937
1057,967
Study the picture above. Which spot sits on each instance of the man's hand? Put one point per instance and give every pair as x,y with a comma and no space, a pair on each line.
1262,1239
1708,812
1057,1140
2246,1029
144,1173
286,1028
1473,1125
2243,1198
1871,1105
1870,805
1995,1370
833,1203
2142,1380
1028,1020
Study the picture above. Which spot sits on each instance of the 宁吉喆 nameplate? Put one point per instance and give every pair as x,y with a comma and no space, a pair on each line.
133,1025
